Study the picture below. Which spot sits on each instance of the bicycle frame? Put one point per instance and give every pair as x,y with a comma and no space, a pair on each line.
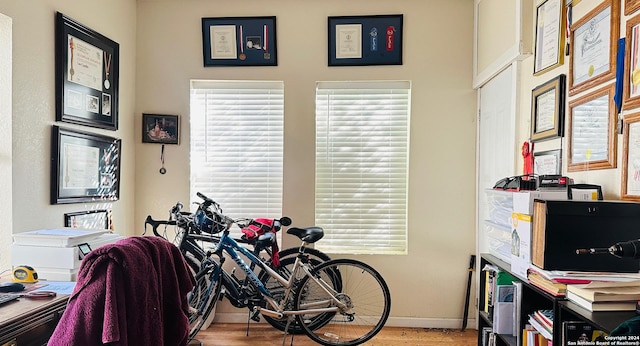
230,246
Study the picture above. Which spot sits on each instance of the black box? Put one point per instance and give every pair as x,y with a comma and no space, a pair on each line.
559,228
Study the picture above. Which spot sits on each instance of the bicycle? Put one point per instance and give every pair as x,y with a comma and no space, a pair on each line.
237,291
338,302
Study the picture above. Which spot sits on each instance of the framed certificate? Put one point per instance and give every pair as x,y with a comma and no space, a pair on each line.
631,158
87,67
365,40
592,134
631,6
85,167
547,109
89,219
631,85
239,41
550,22
547,162
593,47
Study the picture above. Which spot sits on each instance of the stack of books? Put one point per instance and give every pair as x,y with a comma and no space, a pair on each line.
542,321
605,296
532,337
547,285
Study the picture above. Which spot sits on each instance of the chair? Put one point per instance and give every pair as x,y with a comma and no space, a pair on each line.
132,292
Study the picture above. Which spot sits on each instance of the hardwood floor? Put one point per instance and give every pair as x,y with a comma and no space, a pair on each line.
225,334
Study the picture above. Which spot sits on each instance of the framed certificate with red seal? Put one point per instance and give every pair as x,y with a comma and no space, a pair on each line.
365,40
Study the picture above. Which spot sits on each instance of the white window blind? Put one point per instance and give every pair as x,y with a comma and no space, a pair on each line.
237,145
362,150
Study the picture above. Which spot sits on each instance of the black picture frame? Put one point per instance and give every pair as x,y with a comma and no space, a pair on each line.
87,75
160,128
548,109
85,167
365,40
88,219
239,41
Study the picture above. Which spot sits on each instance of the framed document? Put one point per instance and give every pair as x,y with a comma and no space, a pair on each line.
87,67
631,158
593,47
547,109
550,22
631,85
365,40
239,41
90,219
85,167
547,162
592,134
631,6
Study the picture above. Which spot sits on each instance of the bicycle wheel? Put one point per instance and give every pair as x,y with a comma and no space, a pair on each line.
364,298
204,296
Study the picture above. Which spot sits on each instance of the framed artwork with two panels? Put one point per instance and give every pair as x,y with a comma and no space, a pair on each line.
593,47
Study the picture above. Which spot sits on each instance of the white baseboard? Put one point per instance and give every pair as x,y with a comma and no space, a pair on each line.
409,322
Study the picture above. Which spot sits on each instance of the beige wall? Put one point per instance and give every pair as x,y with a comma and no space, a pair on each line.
161,50
429,283
34,108
610,179
5,138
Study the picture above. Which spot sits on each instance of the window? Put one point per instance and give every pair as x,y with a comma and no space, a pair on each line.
362,149
237,145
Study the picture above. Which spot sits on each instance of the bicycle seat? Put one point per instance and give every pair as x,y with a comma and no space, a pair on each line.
308,234
265,240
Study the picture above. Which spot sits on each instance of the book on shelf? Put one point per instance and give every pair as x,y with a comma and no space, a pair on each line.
580,277
607,291
540,328
545,317
554,288
577,332
621,305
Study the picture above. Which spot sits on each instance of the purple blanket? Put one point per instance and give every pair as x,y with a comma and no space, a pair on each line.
132,292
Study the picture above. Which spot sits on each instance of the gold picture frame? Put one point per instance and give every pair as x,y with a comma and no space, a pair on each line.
547,109
592,131
593,47
550,35
630,189
631,85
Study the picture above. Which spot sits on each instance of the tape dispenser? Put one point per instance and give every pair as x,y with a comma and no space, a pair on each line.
24,273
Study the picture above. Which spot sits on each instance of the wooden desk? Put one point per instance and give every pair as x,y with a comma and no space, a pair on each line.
30,322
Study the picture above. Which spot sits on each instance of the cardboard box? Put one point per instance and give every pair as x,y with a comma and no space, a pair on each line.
521,244
562,227
523,200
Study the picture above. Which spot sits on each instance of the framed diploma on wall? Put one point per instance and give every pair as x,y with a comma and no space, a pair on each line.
547,109
592,131
631,85
87,68
631,158
85,167
550,24
239,41
365,40
593,47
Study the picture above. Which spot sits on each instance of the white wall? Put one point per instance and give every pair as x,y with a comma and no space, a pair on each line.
5,139
33,111
429,284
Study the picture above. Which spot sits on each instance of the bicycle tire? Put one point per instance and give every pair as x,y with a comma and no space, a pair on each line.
204,297
365,294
